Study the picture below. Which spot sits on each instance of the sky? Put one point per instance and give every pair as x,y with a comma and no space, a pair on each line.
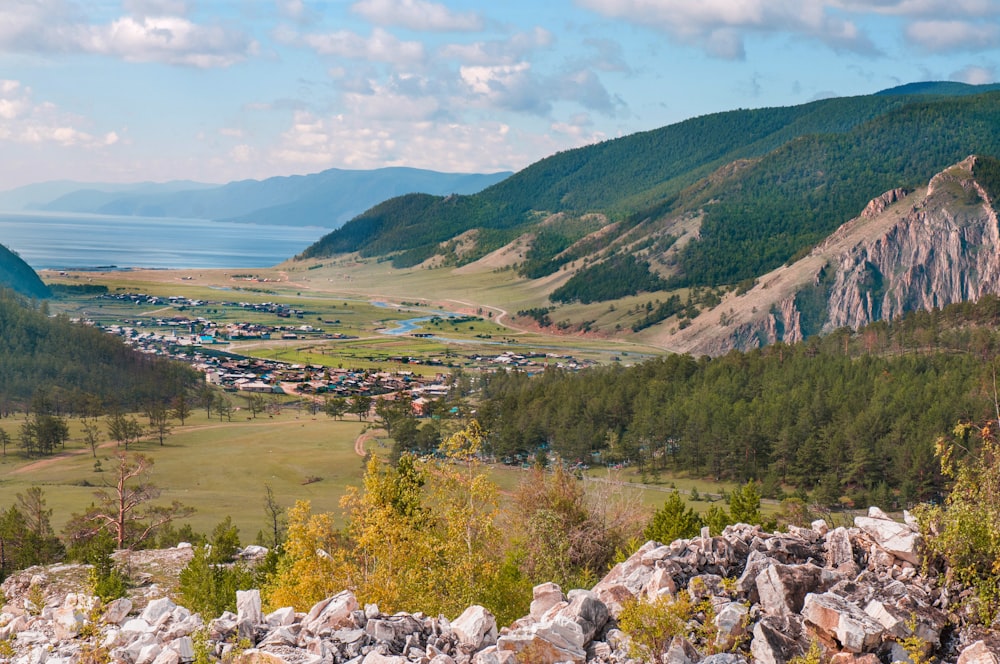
222,90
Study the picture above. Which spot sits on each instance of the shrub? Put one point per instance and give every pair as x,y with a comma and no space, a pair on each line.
964,532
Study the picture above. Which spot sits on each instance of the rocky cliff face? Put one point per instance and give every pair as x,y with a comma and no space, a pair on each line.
906,251
945,249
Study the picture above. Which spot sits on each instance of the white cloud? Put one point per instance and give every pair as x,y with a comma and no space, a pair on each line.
350,141
55,26
296,10
975,75
720,26
419,15
918,8
242,153
26,122
501,51
155,7
380,46
944,36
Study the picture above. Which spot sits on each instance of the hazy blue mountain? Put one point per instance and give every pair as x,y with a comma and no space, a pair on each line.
82,196
328,198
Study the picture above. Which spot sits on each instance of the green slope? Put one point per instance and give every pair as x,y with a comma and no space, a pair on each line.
804,171
18,276
618,176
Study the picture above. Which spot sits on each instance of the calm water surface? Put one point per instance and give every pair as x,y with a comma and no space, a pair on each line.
65,241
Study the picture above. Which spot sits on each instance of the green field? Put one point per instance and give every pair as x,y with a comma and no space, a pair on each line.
218,468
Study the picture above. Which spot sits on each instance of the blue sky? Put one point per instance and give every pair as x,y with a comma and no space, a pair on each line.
219,90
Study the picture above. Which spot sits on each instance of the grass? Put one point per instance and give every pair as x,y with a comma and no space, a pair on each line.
218,468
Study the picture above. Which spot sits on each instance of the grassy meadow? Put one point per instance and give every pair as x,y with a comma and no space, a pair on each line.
220,468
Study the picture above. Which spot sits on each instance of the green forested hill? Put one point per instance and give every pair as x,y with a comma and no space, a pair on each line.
76,366
18,276
795,175
850,415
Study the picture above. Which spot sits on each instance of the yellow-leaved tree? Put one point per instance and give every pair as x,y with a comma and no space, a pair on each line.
465,499
312,565
418,537
391,535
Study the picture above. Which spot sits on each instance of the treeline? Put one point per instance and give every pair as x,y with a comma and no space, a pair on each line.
619,276
79,367
850,417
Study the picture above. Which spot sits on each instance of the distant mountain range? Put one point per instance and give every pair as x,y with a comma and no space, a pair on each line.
325,199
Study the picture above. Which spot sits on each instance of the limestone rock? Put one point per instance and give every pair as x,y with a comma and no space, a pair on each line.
332,613
783,588
835,617
979,653
476,628
248,607
778,639
540,647
544,597
899,539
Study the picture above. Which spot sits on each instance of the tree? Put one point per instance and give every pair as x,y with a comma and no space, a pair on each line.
159,420
125,509
42,433
224,407
91,434
26,536
307,572
744,505
4,440
563,536
335,407
964,532
360,405
255,403
673,520
275,516
124,429
181,408
391,412
206,395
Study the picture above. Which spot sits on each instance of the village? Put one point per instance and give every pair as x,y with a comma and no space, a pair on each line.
214,349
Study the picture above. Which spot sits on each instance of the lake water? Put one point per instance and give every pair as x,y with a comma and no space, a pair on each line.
67,241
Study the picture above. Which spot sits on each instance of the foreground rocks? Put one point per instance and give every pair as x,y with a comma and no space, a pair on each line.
760,597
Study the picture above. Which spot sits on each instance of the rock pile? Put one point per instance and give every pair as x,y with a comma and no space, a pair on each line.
855,593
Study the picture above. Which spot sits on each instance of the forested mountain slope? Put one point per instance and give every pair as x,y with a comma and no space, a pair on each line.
18,276
765,183
78,368
908,250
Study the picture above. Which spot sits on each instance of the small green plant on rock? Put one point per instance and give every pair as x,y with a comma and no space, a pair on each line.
37,598
652,624
812,656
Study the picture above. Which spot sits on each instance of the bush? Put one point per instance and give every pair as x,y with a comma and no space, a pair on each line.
107,581
964,532
673,520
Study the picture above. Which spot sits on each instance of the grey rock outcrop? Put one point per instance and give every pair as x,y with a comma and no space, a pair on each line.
906,251
754,597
